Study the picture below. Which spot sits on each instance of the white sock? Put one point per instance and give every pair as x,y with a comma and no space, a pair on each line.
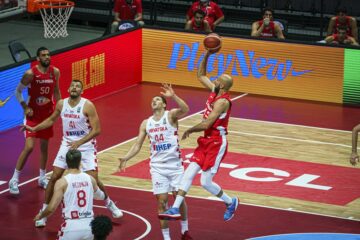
184,226
107,201
16,175
179,199
166,233
226,198
42,173
44,206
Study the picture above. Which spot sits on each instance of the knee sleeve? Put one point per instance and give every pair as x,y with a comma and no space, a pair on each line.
207,183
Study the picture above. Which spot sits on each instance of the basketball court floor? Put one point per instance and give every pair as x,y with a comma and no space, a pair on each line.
288,162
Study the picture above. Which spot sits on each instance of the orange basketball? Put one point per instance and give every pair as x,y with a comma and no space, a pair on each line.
212,42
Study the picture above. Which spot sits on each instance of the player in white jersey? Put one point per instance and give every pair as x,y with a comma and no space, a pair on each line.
76,190
165,163
80,127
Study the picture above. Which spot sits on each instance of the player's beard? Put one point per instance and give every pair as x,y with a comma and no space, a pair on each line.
74,95
45,64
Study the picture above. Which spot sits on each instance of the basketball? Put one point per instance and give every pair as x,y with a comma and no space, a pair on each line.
212,42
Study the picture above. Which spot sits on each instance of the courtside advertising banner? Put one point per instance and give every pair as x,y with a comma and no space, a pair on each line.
104,67
260,67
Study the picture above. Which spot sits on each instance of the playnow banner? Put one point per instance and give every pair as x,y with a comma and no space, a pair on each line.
260,67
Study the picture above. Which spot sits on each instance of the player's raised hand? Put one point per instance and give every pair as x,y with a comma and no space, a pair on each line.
185,135
168,91
122,164
354,158
28,111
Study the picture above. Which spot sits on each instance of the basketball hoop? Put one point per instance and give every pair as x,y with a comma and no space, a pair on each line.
55,15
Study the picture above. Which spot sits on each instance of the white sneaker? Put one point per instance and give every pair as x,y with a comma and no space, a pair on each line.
116,212
13,186
41,222
43,182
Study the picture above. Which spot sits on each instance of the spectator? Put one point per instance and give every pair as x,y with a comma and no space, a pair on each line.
341,37
266,27
127,10
341,19
213,14
198,22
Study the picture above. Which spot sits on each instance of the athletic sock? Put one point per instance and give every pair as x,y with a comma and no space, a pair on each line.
16,175
184,226
179,199
42,173
166,233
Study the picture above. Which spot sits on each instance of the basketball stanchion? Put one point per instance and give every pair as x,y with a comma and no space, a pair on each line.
55,15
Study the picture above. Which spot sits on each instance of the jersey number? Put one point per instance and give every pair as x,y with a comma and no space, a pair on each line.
71,124
44,90
81,195
159,138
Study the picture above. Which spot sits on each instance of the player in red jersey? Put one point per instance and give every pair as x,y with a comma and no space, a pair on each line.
212,147
198,23
341,38
342,19
42,82
267,27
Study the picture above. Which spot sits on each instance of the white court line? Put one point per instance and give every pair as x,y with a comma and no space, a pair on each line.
122,143
283,138
246,204
147,223
291,124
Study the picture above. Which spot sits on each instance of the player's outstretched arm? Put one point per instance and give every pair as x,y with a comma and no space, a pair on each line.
183,108
201,74
220,106
135,149
59,190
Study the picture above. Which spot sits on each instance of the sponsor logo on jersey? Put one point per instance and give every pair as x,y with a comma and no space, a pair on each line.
75,133
161,147
85,214
41,101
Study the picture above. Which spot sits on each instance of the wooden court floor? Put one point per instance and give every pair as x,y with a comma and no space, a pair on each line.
295,143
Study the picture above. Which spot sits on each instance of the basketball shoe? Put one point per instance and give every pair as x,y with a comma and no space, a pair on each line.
43,182
13,186
186,236
230,209
170,214
116,212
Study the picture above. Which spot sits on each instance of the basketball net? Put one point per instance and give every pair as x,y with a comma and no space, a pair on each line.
55,15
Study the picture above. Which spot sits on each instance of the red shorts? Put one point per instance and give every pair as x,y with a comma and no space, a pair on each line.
37,118
210,152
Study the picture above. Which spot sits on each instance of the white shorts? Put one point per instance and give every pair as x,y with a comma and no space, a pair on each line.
164,180
88,158
76,229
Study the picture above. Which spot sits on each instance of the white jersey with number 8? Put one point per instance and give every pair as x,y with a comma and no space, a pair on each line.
78,197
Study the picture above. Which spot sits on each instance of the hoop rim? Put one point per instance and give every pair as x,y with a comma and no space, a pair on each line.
47,4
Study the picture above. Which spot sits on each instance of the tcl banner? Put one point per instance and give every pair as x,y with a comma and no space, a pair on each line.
277,177
104,67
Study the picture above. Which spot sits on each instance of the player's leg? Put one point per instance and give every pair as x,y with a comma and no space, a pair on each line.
44,146
28,148
89,166
116,212
161,187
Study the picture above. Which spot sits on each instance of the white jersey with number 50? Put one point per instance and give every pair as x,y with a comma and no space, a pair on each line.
78,197
75,124
164,142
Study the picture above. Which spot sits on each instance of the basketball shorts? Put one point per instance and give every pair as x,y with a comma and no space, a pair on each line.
88,158
210,152
166,180
73,229
37,118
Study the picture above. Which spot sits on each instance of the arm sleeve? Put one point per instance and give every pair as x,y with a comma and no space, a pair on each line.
18,92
